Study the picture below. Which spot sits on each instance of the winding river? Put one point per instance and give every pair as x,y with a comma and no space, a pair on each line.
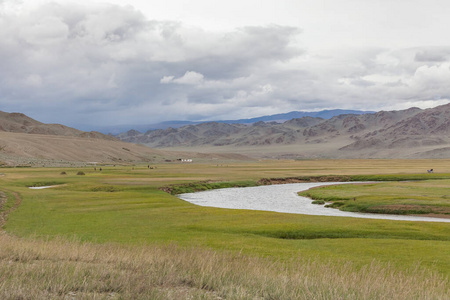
283,198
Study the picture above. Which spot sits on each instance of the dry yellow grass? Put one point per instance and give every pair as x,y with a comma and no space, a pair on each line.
61,269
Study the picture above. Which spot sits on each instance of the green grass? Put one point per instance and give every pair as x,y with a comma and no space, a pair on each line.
177,189
126,206
62,269
404,197
6,201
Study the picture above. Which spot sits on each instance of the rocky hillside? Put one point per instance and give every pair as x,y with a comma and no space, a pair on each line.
302,130
426,128
280,118
220,134
420,133
20,123
27,142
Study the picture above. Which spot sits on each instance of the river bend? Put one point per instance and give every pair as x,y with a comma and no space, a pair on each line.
282,198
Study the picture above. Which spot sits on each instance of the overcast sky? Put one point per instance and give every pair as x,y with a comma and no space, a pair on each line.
91,63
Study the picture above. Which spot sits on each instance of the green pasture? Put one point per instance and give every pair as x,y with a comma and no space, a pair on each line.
399,197
125,205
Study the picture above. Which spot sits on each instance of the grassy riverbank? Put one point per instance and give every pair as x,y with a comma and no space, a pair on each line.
123,208
430,197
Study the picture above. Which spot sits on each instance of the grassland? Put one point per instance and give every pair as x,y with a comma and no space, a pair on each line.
122,210
61,269
428,197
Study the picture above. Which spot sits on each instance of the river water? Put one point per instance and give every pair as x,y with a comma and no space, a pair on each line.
282,198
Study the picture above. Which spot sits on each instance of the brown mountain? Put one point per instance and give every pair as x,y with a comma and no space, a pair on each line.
411,133
25,141
386,134
222,134
430,127
20,123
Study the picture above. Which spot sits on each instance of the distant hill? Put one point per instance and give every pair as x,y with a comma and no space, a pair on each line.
386,134
20,123
27,142
426,128
410,133
280,118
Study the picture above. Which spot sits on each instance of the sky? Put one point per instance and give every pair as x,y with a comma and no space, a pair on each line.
94,63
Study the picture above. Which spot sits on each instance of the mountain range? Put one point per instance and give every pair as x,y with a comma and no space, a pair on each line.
20,123
279,118
27,142
410,133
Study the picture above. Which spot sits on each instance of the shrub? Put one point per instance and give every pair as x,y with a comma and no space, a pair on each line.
109,189
335,204
80,173
318,202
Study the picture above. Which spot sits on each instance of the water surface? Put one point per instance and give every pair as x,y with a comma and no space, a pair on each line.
282,198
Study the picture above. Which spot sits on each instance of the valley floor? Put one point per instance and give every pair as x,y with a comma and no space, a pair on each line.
114,234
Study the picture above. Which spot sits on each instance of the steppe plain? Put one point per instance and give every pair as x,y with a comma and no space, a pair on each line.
114,234
113,228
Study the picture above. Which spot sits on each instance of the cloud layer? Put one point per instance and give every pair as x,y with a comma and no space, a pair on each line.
88,65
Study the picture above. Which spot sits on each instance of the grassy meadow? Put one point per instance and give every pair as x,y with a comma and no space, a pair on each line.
421,197
115,234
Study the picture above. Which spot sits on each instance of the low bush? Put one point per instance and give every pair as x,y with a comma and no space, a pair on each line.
106,188
318,202
177,189
44,183
335,204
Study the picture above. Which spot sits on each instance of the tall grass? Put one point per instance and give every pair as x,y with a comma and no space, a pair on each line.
61,269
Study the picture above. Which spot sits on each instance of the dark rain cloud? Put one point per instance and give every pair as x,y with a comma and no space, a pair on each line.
88,65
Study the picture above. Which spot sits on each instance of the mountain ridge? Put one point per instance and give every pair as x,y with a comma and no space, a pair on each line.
280,118
21,123
27,142
410,133
404,133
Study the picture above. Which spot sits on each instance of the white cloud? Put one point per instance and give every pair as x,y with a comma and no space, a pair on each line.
190,77
436,75
421,104
102,60
167,79
48,30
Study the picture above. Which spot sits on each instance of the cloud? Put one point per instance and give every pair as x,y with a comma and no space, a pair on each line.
167,79
49,30
190,78
107,64
33,80
435,54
